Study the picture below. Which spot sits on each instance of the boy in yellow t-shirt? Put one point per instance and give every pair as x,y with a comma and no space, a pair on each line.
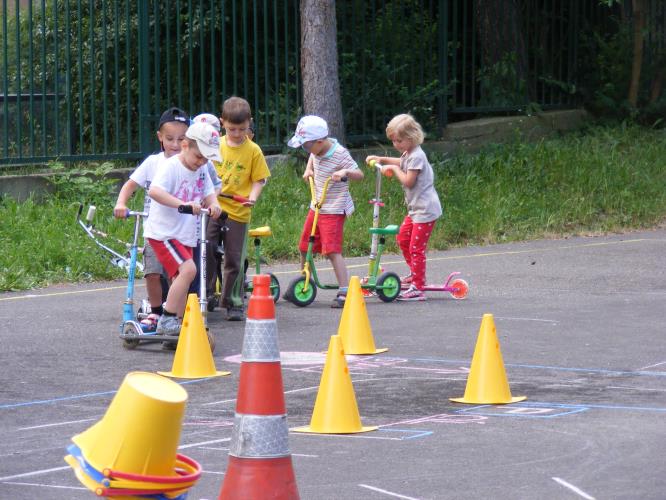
243,171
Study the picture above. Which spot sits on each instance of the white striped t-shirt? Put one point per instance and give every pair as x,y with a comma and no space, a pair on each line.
338,200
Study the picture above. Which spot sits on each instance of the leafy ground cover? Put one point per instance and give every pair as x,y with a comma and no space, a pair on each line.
601,179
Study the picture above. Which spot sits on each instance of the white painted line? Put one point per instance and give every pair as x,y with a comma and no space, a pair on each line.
55,425
389,493
34,473
219,402
651,366
573,488
304,455
194,445
634,388
46,485
348,436
213,472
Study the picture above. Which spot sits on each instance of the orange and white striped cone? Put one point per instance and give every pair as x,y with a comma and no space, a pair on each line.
259,458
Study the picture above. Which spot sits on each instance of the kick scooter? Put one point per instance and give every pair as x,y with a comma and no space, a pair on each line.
131,324
457,287
303,289
132,336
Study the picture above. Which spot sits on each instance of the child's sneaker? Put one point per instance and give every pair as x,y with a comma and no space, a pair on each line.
149,323
168,325
339,301
412,294
406,281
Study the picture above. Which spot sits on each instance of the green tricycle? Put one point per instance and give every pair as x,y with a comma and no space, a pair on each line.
303,289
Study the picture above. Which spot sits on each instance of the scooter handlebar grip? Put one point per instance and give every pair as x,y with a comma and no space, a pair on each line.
91,213
185,209
240,199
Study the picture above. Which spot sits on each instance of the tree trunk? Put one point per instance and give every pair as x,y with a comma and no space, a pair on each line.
657,85
638,11
319,64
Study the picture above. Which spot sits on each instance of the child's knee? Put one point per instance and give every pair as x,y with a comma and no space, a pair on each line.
188,269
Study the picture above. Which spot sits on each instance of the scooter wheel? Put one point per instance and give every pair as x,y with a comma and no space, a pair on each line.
130,329
459,289
297,295
130,343
388,286
275,287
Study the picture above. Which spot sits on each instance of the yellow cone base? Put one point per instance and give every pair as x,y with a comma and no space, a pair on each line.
335,410
487,382
217,373
193,358
309,430
514,399
354,328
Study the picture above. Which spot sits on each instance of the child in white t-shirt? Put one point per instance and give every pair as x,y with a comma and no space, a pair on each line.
171,132
181,180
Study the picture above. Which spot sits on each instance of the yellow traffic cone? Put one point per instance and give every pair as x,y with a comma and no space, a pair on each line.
487,382
354,325
335,410
132,450
140,430
193,358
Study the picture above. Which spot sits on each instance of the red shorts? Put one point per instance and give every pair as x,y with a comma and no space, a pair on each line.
171,254
328,235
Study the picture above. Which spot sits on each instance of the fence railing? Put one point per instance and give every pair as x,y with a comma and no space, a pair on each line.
88,79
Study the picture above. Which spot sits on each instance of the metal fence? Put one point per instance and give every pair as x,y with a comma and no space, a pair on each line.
83,80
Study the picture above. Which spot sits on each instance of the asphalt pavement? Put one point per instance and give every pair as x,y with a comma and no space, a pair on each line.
582,332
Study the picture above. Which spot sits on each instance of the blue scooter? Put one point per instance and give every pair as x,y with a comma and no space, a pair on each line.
131,330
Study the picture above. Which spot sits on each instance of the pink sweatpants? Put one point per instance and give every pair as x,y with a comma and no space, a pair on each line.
413,239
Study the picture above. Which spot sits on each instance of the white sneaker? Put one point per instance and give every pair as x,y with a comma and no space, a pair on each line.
168,325
412,294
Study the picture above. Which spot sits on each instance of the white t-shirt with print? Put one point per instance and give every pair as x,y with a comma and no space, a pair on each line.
167,223
144,173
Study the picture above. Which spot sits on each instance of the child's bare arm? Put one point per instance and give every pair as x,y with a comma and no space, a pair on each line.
126,192
384,160
257,187
211,203
407,179
353,174
309,169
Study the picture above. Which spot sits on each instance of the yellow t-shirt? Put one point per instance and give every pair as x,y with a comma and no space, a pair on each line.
241,166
